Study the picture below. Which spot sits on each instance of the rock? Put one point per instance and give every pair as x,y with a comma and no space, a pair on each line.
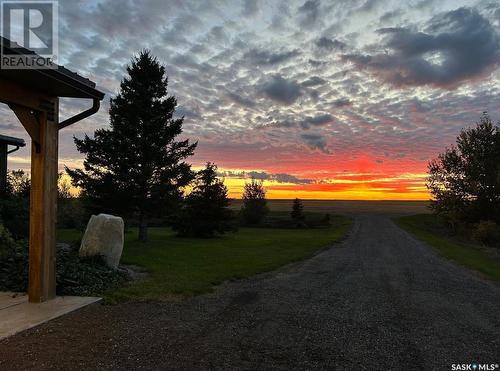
103,236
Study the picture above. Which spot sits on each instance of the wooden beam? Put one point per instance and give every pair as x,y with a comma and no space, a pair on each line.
3,167
29,119
12,93
43,208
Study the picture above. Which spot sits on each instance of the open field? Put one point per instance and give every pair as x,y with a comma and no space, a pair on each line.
189,266
427,228
348,207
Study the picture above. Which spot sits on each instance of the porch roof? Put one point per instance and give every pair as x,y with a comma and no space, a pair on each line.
57,82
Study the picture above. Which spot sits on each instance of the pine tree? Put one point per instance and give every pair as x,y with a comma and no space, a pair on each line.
297,211
206,211
254,203
136,167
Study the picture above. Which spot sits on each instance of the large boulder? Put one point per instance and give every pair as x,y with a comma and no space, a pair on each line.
104,236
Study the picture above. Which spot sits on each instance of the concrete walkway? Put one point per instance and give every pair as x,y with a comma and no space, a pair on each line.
17,314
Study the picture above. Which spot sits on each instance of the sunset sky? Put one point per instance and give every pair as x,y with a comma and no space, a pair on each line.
320,99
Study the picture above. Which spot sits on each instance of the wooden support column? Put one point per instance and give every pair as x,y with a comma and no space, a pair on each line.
43,208
43,129
3,167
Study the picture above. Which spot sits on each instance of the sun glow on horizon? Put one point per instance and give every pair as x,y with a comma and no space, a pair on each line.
403,187
347,186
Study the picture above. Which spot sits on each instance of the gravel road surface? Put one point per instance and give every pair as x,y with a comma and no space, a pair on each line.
378,301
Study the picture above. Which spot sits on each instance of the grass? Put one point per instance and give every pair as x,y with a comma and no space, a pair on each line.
188,266
429,229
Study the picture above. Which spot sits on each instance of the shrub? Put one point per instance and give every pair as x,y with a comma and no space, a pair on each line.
15,204
254,207
71,213
206,209
84,276
487,232
74,276
297,213
13,262
281,222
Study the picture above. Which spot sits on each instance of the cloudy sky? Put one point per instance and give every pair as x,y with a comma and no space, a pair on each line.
321,99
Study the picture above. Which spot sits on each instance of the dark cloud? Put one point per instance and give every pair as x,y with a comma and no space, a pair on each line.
282,90
250,8
319,120
306,123
217,34
315,141
262,175
287,178
237,98
264,57
259,175
342,102
390,15
313,81
309,12
316,63
455,47
330,44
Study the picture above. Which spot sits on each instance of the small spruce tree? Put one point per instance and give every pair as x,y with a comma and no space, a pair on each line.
254,207
297,213
206,209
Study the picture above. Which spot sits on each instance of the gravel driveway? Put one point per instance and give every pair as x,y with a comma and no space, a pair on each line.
380,300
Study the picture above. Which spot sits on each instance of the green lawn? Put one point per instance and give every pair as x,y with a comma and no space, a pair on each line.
187,266
428,228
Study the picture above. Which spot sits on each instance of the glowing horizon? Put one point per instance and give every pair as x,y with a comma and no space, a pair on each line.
408,187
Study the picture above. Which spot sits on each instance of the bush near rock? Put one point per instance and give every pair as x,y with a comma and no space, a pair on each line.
487,232
74,275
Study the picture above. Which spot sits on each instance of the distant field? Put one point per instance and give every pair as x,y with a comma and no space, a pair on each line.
349,207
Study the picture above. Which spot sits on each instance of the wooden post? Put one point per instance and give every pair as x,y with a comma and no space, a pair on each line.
43,208
3,167
39,114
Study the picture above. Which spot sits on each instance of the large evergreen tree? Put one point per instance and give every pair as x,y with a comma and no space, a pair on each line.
206,209
137,167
